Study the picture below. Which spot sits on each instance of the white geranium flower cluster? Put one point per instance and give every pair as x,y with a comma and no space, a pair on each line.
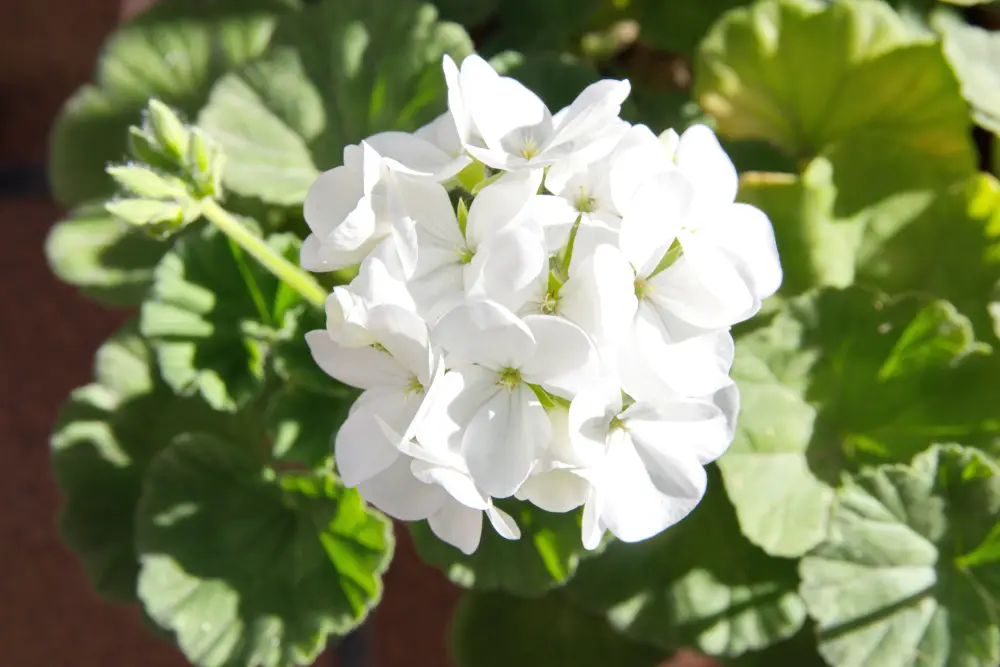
558,333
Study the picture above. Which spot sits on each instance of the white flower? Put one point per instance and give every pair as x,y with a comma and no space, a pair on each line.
506,126
729,261
636,470
490,414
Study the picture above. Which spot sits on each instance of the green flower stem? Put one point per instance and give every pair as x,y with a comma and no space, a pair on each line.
293,276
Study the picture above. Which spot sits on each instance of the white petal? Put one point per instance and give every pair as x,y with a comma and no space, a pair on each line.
746,234
399,494
458,484
697,427
555,490
637,158
362,450
443,133
592,528
650,364
412,153
379,282
404,334
703,287
598,105
362,367
564,359
590,416
499,204
555,216
314,257
701,159
600,296
485,333
639,503
503,439
357,228
451,404
503,523
508,267
458,525
652,219
331,197
464,125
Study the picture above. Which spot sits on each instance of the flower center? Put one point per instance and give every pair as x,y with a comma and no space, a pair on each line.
585,203
509,378
379,347
465,254
550,303
413,386
529,147
618,423
642,288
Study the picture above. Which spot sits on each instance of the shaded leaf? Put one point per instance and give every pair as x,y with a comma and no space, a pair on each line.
499,630
210,317
108,260
885,587
807,381
337,72
547,554
172,52
249,569
699,584
105,436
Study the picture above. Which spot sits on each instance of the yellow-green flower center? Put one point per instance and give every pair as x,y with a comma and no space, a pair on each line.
509,378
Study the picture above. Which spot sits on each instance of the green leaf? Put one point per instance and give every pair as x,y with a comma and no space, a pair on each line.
554,25
949,246
885,587
547,554
305,414
336,73
172,52
850,80
246,568
678,27
470,13
105,436
210,316
974,53
807,379
498,630
107,259
699,584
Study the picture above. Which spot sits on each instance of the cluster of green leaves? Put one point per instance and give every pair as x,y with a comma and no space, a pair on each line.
854,520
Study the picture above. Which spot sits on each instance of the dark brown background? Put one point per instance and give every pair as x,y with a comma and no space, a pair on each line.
49,617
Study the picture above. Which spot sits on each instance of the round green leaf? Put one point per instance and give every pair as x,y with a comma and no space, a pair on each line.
848,79
209,316
337,72
246,568
498,630
172,52
698,584
807,378
546,555
888,587
105,436
107,259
